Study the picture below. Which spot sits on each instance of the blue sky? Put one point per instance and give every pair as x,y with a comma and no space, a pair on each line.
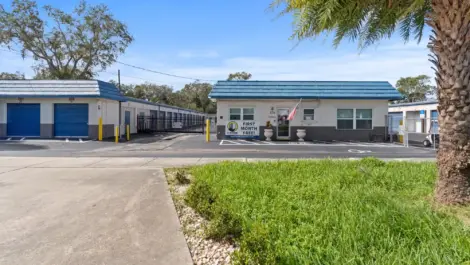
211,38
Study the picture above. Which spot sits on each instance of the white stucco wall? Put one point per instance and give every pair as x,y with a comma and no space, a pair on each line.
107,109
3,112
47,107
325,110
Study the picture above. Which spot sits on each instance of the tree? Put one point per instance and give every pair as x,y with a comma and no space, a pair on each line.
153,92
196,96
416,88
73,46
126,89
11,76
239,76
369,21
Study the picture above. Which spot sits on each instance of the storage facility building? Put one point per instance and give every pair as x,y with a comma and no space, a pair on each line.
327,110
73,108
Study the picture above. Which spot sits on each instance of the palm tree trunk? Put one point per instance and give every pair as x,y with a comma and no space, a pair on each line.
450,43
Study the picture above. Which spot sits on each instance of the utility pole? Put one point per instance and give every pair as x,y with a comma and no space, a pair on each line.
119,79
120,110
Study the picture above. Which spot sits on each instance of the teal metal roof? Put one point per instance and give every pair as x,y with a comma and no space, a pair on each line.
59,89
304,90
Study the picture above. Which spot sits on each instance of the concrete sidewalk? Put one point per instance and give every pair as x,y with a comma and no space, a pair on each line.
87,211
12,163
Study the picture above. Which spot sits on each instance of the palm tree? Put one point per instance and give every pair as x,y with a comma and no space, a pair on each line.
368,21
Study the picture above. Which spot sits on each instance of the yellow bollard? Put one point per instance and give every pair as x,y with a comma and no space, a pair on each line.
128,131
400,132
208,128
117,134
100,129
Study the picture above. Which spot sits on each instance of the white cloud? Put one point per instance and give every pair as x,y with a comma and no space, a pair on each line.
380,64
387,63
12,62
198,54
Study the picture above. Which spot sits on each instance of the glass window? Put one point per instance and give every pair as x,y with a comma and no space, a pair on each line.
345,113
309,114
364,119
345,119
363,114
235,114
248,114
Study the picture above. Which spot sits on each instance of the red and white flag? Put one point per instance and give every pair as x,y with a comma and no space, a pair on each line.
293,112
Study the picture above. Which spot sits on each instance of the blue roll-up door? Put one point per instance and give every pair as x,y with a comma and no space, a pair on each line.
71,120
23,120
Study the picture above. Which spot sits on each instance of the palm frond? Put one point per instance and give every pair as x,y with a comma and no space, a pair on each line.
365,21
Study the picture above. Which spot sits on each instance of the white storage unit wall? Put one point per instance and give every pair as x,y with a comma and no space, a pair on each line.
70,108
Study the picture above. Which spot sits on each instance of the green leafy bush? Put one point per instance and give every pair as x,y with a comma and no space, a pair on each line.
200,197
328,212
225,224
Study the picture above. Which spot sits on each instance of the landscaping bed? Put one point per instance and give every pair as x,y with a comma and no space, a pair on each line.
321,212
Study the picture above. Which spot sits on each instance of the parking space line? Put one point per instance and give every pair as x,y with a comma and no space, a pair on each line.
232,142
247,142
263,142
268,143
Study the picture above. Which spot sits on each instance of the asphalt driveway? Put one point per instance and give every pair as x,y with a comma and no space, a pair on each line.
55,211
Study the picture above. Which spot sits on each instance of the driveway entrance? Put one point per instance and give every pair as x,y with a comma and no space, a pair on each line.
87,211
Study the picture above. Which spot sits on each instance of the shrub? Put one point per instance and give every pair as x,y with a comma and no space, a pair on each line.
200,197
225,224
182,178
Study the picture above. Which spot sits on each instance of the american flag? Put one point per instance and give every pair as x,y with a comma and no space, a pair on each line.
293,112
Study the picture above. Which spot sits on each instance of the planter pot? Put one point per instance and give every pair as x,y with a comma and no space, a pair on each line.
301,134
268,133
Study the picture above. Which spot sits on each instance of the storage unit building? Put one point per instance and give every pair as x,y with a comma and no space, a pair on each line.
327,110
419,119
71,108
57,108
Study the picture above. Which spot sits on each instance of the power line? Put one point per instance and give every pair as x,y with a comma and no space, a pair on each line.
140,68
148,80
167,74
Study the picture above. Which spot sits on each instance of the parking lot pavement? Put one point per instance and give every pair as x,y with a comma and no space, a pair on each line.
197,146
307,143
53,214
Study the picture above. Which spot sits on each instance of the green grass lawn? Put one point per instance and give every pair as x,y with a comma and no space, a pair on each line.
328,212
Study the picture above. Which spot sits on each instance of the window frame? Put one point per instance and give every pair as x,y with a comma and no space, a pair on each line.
305,115
354,119
363,119
241,113
346,119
